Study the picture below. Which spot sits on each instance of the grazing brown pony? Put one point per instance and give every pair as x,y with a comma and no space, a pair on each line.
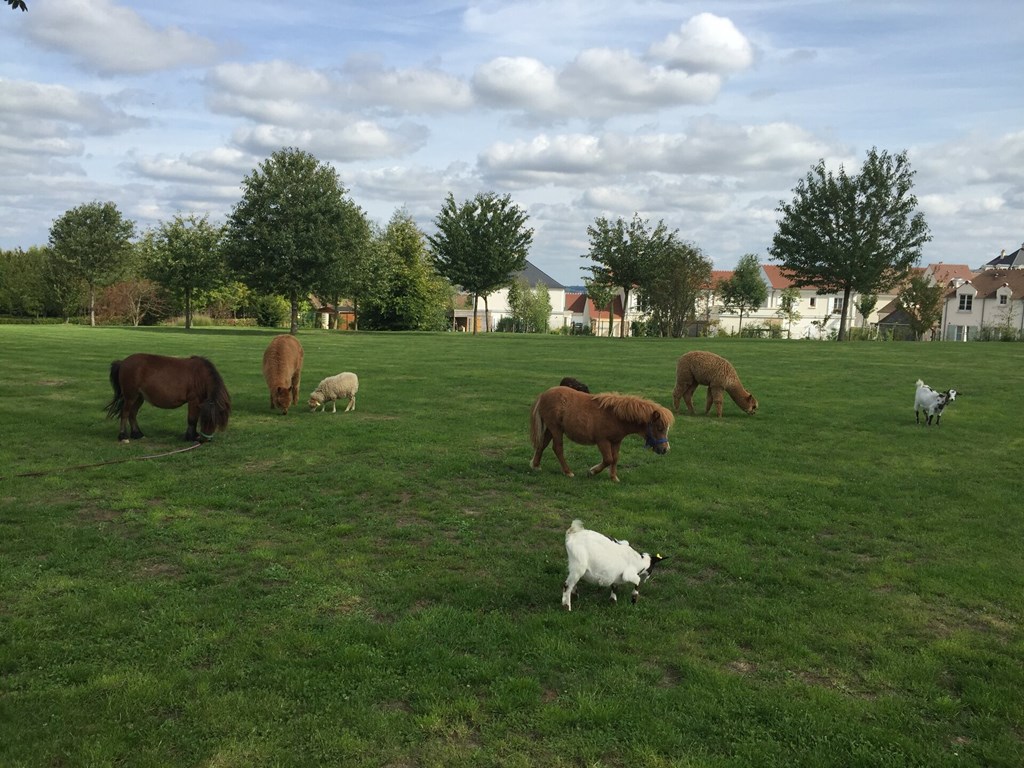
282,368
169,382
602,420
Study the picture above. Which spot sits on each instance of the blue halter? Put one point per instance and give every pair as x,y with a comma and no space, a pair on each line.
650,441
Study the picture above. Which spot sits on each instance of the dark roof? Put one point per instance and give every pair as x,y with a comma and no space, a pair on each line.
1006,260
534,277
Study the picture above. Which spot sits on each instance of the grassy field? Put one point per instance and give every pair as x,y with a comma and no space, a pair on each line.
382,588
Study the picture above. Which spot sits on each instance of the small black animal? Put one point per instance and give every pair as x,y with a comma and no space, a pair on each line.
576,384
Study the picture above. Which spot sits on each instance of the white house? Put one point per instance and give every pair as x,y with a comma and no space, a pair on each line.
991,298
496,307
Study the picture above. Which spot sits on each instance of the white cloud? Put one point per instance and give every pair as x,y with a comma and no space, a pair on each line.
706,43
114,40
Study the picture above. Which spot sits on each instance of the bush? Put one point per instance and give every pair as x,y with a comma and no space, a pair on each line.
270,311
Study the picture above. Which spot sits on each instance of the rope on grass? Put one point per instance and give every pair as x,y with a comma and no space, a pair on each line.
106,463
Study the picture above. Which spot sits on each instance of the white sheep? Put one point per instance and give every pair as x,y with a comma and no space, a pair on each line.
334,388
606,562
931,402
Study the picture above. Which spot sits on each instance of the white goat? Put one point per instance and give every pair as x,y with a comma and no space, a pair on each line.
931,402
334,388
606,562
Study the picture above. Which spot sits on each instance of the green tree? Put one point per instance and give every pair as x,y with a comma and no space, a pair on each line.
676,275
603,296
286,232
531,307
185,256
624,252
921,301
745,291
357,268
480,244
23,285
866,304
788,301
852,233
92,243
409,294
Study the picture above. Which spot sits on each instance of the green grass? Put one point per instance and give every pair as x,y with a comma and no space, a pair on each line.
382,588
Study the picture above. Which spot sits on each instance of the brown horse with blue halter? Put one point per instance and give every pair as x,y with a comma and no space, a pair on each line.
169,382
603,420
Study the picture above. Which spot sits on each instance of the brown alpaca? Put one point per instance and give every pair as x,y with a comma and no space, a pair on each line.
715,372
282,369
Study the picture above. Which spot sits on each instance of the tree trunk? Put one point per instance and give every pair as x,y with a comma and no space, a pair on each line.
625,303
92,305
188,309
295,317
842,316
476,302
355,314
740,330
487,316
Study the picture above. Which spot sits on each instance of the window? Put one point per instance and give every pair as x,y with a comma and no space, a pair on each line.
837,307
1003,299
966,302
812,301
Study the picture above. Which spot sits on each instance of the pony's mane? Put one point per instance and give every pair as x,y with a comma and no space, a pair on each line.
216,410
633,408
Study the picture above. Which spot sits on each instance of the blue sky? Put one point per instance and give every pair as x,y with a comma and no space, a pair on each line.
704,116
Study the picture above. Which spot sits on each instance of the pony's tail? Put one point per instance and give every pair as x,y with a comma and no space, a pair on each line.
115,406
536,426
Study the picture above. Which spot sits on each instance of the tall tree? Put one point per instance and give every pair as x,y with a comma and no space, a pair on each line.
603,296
921,301
408,294
676,275
745,290
623,252
185,256
92,243
852,233
23,289
481,244
289,227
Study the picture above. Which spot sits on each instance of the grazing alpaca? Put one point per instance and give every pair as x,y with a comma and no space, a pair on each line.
282,369
930,401
707,368
603,420
332,389
595,558
576,384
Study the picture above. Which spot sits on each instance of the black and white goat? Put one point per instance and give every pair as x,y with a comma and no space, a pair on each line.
595,558
931,402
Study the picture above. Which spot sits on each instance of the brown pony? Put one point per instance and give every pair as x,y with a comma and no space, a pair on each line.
282,368
169,382
602,420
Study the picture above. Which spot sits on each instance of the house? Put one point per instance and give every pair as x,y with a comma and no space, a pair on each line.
585,314
496,307
991,299
1006,260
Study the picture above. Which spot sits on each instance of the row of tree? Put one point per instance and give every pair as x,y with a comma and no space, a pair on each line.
296,232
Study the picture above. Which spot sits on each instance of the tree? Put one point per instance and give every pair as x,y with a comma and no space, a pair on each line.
531,307
623,252
788,300
745,290
603,296
23,285
289,227
92,243
921,301
408,294
185,256
866,303
676,275
847,234
480,244
358,266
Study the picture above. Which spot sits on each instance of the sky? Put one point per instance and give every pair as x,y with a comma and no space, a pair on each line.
702,115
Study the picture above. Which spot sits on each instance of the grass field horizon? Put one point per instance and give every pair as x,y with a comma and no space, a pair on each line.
382,588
